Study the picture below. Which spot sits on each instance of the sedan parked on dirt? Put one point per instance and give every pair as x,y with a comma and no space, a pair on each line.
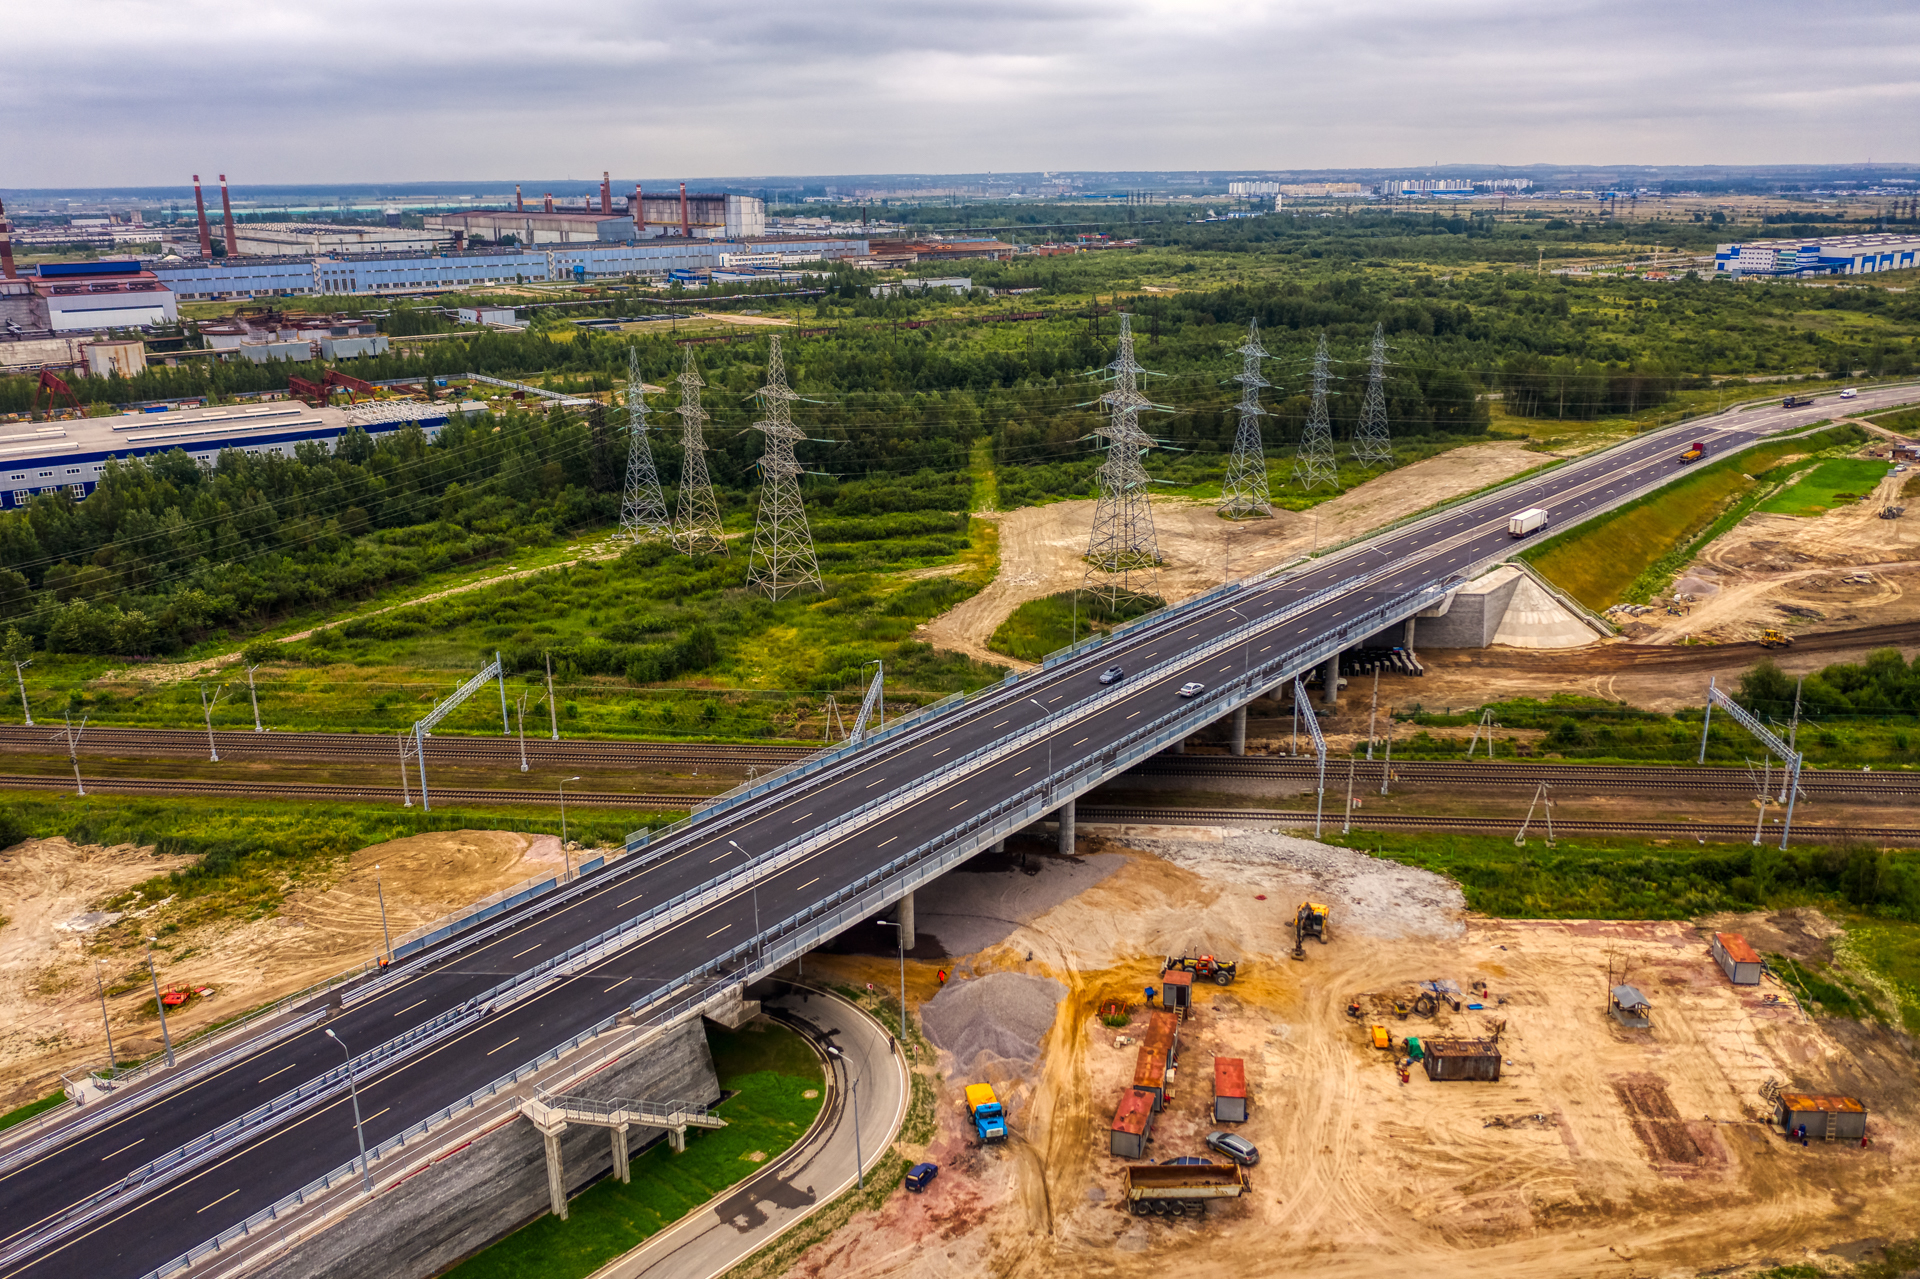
1238,1149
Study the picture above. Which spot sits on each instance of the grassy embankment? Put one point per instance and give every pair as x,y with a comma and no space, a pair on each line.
778,1086
1633,552
1873,973
1834,482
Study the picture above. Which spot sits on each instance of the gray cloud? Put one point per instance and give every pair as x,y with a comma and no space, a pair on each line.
355,90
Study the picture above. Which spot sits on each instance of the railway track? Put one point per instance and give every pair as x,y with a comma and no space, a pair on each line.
383,748
1732,832
1631,777
370,794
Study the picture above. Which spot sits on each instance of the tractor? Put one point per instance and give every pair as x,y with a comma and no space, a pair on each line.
1771,638
1220,971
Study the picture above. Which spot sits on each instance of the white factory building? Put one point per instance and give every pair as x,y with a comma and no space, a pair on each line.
67,457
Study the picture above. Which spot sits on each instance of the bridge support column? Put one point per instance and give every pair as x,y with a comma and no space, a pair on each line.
1000,847
1239,744
1330,681
1066,828
1406,641
677,1140
903,915
1179,747
621,1168
556,1171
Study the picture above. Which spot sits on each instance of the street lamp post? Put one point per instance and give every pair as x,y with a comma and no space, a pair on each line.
113,1067
360,1133
839,1054
563,825
900,937
1045,711
759,952
385,935
152,972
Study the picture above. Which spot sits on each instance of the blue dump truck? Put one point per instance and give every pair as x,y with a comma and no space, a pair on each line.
988,1119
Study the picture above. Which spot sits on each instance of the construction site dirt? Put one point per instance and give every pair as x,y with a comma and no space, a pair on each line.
1598,1150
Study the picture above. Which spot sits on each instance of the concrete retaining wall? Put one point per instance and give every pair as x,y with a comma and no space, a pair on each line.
491,1187
1475,616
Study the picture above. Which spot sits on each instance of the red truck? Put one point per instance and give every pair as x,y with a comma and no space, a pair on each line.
1695,451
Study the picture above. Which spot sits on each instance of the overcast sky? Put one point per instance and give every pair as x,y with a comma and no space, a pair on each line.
122,93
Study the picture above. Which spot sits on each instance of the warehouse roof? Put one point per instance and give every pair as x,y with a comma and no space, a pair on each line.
1810,1101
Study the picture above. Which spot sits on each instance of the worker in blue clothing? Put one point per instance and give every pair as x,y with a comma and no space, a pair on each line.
1149,996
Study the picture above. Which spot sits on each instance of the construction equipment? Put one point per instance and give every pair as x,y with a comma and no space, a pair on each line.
57,389
1771,638
1309,921
1164,1190
989,1120
317,393
1220,971
1695,451
1892,512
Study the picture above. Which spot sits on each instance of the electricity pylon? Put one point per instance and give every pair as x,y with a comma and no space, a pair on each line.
643,512
1372,444
696,526
1313,465
1244,495
1123,547
782,560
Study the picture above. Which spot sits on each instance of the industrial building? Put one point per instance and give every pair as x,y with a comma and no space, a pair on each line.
80,296
67,457
388,273
281,239
1832,255
682,213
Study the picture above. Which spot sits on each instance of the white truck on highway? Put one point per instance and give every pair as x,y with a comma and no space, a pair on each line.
1531,520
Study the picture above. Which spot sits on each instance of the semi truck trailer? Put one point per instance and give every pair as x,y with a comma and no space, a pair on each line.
1531,520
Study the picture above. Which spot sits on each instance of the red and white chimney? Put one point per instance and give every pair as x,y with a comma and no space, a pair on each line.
200,208
226,209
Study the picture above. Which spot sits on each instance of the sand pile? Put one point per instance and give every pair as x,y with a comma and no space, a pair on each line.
1001,1017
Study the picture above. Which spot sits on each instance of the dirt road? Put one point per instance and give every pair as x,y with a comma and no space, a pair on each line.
1600,1149
1041,546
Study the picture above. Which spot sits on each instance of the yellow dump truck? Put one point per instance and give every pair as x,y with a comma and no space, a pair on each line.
1166,1189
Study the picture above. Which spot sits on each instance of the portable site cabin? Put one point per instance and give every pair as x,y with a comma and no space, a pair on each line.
1229,1090
1826,1118
1159,1049
1630,1008
1461,1059
1736,959
1176,990
1132,1125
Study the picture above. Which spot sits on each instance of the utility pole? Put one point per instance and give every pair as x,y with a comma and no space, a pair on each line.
113,1066
1244,495
380,888
1793,733
400,740
159,1003
254,698
1373,711
782,559
1372,441
643,512
73,749
206,711
1346,821
1123,545
25,710
520,713
697,518
553,712
1386,769
1313,463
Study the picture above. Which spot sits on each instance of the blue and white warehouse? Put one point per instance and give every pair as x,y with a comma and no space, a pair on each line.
1837,255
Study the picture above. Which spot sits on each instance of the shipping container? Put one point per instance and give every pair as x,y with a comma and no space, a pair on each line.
1461,1059
1176,989
1826,1118
1229,1090
1159,1051
1132,1125
1736,959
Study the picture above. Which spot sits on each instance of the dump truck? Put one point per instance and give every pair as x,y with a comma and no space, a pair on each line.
1164,1190
1797,402
1695,451
1309,921
989,1120
1531,520
1771,638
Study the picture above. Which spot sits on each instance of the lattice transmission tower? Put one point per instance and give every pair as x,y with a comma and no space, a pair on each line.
1123,553
696,524
1244,496
1372,444
643,512
782,560
1313,465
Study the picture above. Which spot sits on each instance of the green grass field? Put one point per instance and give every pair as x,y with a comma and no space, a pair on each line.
1836,482
1038,627
23,1113
772,1070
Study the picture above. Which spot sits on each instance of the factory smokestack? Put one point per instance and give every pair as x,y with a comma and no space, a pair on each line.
606,193
686,227
226,210
519,204
639,214
6,246
200,207
549,202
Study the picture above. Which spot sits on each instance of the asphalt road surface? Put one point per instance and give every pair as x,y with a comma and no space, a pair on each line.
138,1236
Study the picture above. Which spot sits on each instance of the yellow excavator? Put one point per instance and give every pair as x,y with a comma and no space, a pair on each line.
1311,920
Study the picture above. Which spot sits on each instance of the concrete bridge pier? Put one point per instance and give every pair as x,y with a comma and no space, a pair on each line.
550,1130
1406,640
1066,828
903,915
1330,681
1239,743
621,1168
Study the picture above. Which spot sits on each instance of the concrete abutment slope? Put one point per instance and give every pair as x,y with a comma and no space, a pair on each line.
459,1201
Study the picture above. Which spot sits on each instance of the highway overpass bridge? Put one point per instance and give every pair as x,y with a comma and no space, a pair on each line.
241,1139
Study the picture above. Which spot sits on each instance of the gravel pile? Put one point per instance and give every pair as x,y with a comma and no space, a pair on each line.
1001,1016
